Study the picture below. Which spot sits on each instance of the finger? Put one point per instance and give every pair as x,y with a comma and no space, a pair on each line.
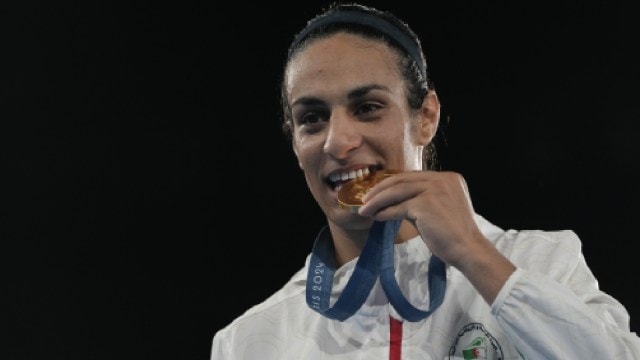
391,181
386,196
392,212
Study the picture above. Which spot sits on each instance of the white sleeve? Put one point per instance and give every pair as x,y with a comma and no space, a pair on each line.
218,350
571,319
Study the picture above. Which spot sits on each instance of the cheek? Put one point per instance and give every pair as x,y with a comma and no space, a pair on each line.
308,151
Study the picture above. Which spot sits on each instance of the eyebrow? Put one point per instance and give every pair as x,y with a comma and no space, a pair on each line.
356,93
361,91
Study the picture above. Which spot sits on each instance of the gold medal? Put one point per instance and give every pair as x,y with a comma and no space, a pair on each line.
351,193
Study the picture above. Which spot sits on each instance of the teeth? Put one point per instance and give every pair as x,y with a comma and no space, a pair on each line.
349,175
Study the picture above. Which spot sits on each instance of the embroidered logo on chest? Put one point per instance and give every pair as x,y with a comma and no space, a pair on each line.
475,342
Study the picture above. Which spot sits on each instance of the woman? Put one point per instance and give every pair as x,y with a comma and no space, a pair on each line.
409,271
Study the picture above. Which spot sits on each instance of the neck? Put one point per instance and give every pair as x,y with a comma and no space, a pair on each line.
349,243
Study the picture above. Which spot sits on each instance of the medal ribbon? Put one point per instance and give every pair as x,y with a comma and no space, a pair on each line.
376,259
437,279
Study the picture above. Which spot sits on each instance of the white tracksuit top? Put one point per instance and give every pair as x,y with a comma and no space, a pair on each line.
550,308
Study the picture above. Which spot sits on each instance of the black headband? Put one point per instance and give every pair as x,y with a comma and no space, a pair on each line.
372,21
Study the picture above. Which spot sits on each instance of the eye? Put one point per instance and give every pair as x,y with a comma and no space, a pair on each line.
368,109
311,118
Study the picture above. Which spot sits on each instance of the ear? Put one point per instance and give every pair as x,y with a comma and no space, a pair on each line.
430,117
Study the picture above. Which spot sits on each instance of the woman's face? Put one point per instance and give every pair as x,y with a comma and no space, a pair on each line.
350,113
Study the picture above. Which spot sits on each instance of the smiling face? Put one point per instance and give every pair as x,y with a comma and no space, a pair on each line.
350,114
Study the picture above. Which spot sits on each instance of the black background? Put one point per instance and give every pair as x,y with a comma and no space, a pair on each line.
150,197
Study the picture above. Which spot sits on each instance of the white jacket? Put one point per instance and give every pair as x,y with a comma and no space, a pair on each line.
550,308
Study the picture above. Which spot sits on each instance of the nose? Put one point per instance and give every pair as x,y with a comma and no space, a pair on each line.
343,135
